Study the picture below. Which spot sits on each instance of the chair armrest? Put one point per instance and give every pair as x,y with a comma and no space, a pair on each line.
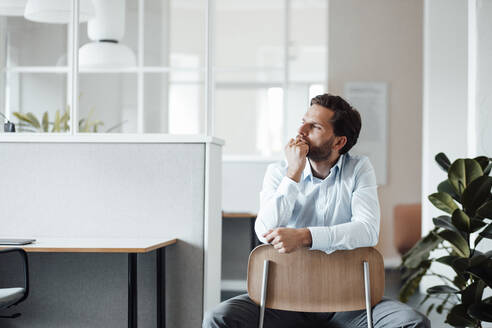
23,255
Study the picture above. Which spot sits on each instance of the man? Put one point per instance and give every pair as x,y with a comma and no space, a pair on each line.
325,199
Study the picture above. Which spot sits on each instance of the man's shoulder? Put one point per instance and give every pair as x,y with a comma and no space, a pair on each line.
354,163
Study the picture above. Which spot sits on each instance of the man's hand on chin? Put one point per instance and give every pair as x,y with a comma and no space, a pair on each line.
286,240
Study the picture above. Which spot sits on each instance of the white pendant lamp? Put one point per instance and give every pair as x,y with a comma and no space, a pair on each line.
12,7
57,11
106,30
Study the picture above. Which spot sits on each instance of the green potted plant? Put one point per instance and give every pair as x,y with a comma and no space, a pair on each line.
465,197
30,123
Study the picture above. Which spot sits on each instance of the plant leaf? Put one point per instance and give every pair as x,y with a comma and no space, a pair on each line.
458,316
446,187
440,307
420,251
487,232
45,122
480,311
442,289
443,202
450,260
485,211
476,224
483,161
457,241
483,271
462,172
56,123
429,309
24,118
444,221
487,170
34,120
473,293
412,283
423,301
460,282
443,161
460,220
476,193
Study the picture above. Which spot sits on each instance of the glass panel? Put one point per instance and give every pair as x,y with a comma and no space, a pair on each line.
36,102
250,120
245,75
175,33
250,33
174,103
108,103
308,55
28,43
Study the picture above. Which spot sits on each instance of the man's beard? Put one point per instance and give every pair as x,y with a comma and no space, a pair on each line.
321,153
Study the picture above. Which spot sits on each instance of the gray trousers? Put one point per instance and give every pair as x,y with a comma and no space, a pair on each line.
242,312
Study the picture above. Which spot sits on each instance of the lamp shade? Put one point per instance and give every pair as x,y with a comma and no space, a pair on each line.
106,55
12,7
57,11
109,23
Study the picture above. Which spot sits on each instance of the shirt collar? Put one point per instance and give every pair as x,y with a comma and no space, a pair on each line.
308,173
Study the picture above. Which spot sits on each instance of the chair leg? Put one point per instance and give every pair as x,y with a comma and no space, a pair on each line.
264,287
367,288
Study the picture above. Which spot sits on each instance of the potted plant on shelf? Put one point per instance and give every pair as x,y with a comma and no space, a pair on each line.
465,196
30,123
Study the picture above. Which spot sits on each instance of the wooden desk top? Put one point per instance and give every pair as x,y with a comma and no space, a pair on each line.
95,245
238,215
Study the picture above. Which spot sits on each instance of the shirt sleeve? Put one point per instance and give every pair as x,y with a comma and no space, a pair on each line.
363,228
277,200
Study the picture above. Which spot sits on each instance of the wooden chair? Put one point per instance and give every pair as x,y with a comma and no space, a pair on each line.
313,281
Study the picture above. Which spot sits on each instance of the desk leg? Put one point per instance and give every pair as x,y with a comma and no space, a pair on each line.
132,290
161,287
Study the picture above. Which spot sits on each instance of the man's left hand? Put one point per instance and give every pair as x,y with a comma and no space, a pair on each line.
286,240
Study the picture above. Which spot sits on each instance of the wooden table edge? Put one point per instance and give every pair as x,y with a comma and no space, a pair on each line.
238,215
29,249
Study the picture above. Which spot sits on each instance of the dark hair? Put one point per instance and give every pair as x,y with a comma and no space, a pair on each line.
346,121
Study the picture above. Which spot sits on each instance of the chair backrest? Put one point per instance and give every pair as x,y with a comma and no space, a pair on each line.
313,281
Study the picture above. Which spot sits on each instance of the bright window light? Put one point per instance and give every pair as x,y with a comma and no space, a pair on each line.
270,122
315,90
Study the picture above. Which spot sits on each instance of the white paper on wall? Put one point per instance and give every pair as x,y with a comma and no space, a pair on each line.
371,100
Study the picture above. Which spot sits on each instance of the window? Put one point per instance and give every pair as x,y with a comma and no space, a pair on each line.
143,69
271,57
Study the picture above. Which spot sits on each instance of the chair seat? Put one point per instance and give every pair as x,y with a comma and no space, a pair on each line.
9,296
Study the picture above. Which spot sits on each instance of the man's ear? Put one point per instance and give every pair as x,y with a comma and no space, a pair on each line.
340,142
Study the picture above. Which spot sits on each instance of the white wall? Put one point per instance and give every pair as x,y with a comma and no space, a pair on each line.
445,93
381,41
484,78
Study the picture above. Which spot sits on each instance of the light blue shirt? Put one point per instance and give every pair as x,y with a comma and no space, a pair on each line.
341,211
